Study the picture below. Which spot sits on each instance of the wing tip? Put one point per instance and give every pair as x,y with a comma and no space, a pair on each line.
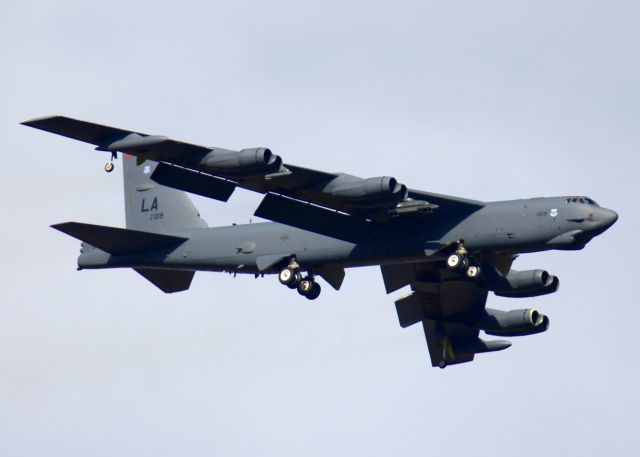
61,224
64,227
38,120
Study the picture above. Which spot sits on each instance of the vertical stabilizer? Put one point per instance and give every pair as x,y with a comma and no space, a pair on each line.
151,207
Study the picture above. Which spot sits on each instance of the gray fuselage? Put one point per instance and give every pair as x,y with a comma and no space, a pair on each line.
514,226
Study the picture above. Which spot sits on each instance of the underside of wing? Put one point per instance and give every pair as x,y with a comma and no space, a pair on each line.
449,309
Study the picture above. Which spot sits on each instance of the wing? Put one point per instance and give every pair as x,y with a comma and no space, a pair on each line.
334,204
448,308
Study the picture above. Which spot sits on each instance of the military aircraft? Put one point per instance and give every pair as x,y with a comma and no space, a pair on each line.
450,251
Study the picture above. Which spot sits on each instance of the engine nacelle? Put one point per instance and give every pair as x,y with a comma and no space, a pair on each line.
519,322
530,283
352,188
246,161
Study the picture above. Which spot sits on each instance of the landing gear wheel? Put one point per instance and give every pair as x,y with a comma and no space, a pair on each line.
314,292
442,364
305,286
289,277
454,261
109,166
295,283
457,262
473,272
309,288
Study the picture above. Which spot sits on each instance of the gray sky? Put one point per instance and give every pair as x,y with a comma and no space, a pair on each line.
489,100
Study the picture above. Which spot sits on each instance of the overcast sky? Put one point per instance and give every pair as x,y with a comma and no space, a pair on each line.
490,100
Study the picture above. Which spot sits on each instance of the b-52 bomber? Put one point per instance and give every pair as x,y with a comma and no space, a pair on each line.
450,251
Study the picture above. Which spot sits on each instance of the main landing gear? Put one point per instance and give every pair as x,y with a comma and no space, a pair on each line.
459,261
291,277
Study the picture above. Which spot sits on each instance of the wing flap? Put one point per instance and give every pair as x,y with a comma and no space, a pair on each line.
193,182
410,310
397,276
313,218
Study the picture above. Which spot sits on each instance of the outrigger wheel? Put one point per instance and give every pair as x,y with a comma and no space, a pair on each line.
109,166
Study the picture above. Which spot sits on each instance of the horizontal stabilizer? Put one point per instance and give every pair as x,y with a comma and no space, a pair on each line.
118,241
168,281
313,218
194,182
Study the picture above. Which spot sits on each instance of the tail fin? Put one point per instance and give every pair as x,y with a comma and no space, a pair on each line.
152,207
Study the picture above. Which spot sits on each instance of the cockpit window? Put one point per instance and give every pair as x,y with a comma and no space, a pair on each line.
581,200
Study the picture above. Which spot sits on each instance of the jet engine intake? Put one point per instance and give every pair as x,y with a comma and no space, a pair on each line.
246,161
530,283
518,322
380,189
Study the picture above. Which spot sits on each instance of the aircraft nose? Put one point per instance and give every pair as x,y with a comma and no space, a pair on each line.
605,218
